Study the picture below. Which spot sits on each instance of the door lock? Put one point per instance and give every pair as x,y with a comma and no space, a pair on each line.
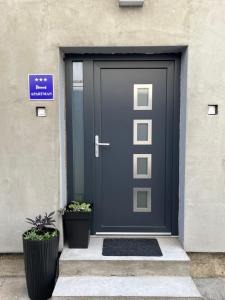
97,144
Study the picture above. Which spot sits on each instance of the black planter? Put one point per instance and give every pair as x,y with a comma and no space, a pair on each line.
41,266
77,229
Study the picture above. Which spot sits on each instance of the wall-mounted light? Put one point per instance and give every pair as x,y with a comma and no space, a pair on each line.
41,111
212,109
131,3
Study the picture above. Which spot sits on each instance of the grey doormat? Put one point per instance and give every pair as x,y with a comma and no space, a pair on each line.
131,247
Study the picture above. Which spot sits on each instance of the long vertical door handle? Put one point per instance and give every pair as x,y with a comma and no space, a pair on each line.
97,144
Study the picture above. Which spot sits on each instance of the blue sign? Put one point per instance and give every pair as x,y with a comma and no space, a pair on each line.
41,87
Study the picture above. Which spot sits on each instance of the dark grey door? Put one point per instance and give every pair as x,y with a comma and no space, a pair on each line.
134,113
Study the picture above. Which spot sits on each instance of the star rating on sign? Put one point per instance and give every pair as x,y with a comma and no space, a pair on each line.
41,79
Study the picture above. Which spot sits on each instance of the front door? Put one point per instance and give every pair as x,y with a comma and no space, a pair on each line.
130,144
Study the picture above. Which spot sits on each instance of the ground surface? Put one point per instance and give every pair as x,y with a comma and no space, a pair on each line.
14,288
211,288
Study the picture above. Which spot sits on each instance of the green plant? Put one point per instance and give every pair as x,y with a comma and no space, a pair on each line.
78,206
41,229
35,235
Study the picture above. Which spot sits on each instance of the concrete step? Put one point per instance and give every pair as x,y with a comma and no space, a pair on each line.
132,288
91,262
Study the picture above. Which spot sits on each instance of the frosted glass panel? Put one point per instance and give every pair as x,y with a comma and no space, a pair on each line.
142,132
142,165
78,131
78,73
142,97
142,199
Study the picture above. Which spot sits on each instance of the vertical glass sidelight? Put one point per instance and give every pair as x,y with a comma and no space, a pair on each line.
78,131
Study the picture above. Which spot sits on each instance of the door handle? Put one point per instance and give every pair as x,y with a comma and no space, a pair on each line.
97,144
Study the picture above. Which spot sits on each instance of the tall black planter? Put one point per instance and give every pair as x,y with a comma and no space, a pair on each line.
77,229
41,263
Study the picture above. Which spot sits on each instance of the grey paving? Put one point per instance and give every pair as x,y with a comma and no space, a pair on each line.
90,261
170,247
87,274
11,265
12,288
211,288
141,287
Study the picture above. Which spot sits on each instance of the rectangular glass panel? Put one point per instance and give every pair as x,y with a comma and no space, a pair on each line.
142,199
78,131
78,73
142,165
142,132
142,97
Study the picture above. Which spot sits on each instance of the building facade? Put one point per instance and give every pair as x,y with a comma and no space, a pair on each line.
173,51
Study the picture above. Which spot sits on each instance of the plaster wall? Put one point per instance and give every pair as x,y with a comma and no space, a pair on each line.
31,159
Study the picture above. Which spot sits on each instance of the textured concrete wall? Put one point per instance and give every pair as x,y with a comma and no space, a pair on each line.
207,264
31,32
203,265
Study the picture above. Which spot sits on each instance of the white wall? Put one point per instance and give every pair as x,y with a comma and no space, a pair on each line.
31,33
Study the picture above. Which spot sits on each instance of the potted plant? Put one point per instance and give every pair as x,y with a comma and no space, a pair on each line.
40,245
76,220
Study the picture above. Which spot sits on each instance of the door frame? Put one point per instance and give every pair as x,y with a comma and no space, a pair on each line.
89,183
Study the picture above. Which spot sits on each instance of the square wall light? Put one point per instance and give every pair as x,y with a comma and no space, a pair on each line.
212,109
41,111
131,3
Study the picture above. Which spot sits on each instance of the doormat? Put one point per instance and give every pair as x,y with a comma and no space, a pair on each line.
131,247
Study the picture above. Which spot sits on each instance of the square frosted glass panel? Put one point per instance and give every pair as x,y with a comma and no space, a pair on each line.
142,132
142,166
142,96
142,199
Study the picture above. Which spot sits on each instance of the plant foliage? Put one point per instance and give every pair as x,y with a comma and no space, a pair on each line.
77,206
35,235
41,223
41,228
